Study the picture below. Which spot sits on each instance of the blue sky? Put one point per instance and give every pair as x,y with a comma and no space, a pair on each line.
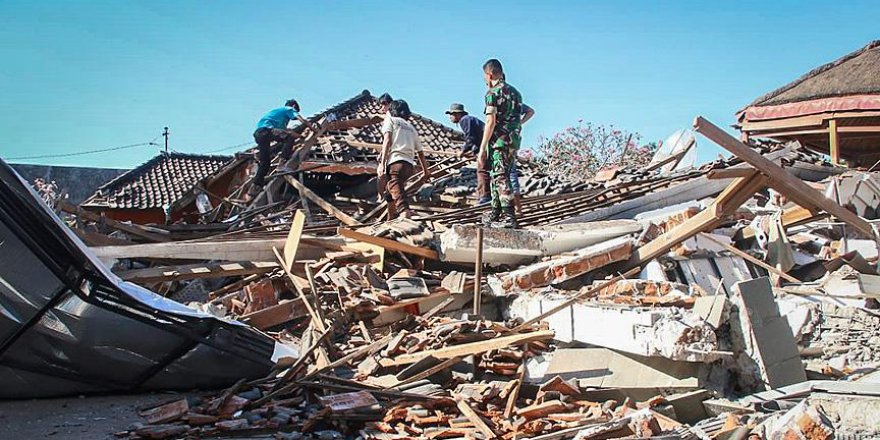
77,76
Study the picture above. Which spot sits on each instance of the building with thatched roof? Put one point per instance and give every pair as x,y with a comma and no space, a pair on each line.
834,109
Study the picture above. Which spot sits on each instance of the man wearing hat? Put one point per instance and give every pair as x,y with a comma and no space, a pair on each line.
473,135
272,127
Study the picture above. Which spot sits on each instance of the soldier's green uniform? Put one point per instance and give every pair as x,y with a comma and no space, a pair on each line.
505,102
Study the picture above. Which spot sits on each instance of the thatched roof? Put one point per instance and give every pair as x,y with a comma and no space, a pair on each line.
857,73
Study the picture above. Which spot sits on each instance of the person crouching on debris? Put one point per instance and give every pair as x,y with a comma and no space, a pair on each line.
501,141
472,128
273,128
400,147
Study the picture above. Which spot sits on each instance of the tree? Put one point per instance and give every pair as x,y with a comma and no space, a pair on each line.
579,152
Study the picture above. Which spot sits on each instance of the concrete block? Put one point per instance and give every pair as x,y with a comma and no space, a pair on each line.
659,332
767,340
712,309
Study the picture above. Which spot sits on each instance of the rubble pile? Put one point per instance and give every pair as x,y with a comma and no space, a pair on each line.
737,299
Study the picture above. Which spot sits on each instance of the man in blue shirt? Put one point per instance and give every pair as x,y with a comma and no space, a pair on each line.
473,135
273,128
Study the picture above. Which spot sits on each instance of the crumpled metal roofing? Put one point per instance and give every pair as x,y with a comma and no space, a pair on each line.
69,326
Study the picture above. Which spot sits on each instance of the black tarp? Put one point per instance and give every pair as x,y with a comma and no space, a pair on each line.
69,326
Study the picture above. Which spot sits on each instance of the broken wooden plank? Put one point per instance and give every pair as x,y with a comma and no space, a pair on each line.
475,419
730,173
229,250
323,204
389,244
292,243
316,317
194,271
442,366
284,311
140,231
470,348
790,186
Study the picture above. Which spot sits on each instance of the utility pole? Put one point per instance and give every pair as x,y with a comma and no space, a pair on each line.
165,134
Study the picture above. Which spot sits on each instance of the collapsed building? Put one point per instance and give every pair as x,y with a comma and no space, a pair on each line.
737,299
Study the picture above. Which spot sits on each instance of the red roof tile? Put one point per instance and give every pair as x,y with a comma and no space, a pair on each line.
158,182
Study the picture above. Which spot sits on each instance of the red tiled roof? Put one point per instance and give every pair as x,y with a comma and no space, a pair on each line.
158,182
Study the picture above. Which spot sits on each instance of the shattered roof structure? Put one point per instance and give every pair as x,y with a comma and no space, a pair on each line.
161,181
834,108
355,136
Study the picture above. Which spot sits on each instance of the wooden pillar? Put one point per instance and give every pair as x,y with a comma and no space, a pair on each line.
833,145
478,273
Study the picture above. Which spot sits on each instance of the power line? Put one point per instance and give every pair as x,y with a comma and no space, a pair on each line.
80,153
243,144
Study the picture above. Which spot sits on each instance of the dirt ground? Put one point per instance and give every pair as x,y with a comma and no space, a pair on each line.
75,418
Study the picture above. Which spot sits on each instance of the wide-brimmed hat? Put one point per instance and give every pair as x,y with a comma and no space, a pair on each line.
456,108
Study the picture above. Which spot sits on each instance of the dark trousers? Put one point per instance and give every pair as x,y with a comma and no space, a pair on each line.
264,137
483,179
397,175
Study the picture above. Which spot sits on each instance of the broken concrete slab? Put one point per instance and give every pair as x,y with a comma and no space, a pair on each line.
713,309
662,332
561,269
764,338
519,246
604,368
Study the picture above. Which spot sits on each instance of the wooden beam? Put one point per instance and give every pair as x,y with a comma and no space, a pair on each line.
378,147
468,349
424,374
353,123
132,229
232,250
790,186
312,308
730,173
284,311
833,146
323,204
389,244
787,123
478,271
475,419
750,258
291,244
194,271
726,203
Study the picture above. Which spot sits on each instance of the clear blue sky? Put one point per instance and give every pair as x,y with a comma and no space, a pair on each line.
83,75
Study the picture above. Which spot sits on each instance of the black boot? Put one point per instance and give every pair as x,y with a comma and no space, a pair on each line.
507,220
491,217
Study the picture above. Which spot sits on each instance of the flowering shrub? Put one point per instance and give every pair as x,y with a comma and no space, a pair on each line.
48,191
579,152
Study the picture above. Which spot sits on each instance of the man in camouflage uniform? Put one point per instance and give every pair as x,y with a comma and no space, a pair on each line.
501,141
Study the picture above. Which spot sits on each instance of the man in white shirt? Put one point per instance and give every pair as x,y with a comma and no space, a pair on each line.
400,148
